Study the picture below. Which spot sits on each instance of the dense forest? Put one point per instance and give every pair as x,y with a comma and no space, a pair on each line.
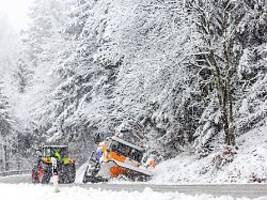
172,75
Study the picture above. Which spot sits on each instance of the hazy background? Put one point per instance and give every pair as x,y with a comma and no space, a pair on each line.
16,12
13,19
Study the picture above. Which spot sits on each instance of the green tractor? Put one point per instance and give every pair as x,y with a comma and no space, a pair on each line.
42,169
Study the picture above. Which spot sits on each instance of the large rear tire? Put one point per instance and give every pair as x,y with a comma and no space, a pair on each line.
46,178
71,173
68,174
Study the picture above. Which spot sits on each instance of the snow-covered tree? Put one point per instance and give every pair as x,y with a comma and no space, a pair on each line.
22,75
220,52
168,74
6,131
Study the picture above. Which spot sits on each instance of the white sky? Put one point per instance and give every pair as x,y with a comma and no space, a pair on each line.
16,11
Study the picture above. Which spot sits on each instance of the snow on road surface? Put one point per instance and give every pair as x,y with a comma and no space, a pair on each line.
46,192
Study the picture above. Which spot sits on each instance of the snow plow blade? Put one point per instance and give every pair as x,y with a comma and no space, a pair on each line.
115,170
134,169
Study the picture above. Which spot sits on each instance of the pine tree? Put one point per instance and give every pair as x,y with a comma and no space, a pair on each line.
166,73
218,22
6,130
252,69
22,75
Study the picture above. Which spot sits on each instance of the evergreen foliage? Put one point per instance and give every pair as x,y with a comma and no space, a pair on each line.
175,76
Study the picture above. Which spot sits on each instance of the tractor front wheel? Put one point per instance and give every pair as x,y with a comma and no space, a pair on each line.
35,178
41,173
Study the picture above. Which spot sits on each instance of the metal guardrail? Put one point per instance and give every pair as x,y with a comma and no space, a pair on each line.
15,172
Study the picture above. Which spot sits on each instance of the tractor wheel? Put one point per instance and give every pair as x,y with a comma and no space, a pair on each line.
35,178
41,173
68,174
72,175
44,173
46,178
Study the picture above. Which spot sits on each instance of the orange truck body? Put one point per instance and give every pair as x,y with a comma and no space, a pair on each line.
119,158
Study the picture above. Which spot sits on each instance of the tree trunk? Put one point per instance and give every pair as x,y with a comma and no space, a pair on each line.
5,158
230,134
229,127
2,162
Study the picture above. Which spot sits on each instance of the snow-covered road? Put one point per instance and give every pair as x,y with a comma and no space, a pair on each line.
27,191
46,192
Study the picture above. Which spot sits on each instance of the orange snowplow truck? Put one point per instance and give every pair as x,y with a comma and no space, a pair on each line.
116,158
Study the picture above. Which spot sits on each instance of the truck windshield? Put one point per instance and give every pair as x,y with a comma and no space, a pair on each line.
127,151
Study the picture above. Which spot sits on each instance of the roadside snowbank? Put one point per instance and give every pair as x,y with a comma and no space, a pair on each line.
248,165
41,192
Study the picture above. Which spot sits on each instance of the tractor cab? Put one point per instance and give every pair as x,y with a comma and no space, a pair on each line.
51,150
